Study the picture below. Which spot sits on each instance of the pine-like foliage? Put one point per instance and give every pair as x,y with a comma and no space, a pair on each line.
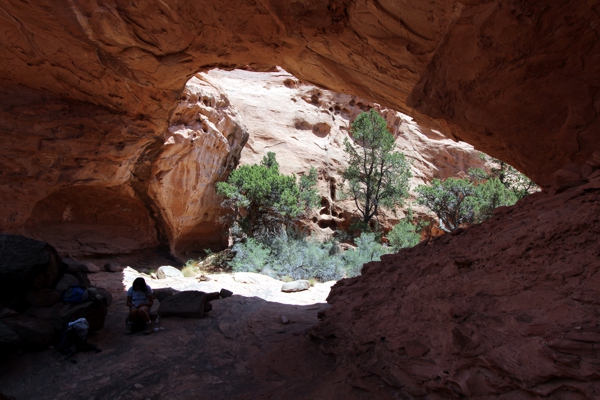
262,200
377,176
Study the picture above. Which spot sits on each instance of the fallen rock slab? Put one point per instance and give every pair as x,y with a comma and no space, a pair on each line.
163,293
189,304
295,286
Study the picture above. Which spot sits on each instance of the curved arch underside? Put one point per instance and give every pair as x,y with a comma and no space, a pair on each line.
517,80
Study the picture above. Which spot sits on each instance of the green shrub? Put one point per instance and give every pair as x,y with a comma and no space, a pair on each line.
404,234
190,270
293,256
250,256
367,249
452,201
261,200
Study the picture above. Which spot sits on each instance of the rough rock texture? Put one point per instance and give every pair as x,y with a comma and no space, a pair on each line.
295,286
161,194
306,126
166,271
134,58
520,79
88,89
508,307
188,304
27,264
202,145
28,305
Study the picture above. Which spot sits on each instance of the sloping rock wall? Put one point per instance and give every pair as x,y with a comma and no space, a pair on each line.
88,89
507,308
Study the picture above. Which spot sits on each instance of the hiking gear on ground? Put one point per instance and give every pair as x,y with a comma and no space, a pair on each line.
74,339
75,294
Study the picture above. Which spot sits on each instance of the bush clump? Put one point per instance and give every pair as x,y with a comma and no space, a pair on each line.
298,256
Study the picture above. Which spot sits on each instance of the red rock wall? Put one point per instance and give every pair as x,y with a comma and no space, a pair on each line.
506,308
87,89
517,80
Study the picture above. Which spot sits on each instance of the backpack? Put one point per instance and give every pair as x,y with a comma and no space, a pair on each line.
74,339
75,294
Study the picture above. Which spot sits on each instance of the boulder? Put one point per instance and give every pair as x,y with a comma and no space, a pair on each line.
161,294
65,281
212,296
295,286
33,332
184,304
113,267
80,266
225,293
26,264
166,271
105,295
43,298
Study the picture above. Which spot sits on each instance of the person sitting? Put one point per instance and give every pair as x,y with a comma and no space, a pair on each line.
139,301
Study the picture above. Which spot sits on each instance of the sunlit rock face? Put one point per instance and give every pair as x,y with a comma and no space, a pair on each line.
306,126
201,147
58,157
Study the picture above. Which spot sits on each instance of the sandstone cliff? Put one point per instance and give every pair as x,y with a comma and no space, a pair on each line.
202,145
306,126
164,192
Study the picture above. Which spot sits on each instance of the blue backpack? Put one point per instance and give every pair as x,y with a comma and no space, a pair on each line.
75,294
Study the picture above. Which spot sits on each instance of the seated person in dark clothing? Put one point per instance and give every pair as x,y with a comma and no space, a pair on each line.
139,301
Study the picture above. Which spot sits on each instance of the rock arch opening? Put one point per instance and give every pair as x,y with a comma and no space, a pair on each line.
86,87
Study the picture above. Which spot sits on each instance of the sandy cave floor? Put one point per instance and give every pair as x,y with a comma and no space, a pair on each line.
240,350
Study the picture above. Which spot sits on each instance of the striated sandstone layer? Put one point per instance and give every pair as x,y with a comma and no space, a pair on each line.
306,127
516,79
505,309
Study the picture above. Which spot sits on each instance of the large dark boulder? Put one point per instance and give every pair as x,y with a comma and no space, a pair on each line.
43,298
27,264
34,333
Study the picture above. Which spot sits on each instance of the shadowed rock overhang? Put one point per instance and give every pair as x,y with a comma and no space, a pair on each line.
517,80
